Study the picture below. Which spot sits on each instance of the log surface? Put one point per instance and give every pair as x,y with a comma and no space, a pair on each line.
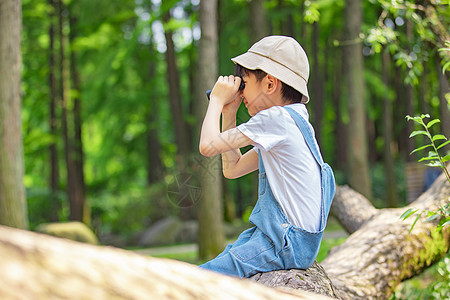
35,266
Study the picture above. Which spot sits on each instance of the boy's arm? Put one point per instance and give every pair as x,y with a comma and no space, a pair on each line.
235,164
213,142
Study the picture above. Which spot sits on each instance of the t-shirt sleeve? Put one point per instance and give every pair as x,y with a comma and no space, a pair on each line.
267,128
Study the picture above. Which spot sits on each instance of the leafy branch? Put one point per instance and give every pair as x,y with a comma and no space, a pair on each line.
434,159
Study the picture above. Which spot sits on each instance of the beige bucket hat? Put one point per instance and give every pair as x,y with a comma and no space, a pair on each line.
281,57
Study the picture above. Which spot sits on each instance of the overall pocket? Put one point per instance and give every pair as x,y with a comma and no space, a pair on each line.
259,249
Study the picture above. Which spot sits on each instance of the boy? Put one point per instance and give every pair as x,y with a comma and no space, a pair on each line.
295,186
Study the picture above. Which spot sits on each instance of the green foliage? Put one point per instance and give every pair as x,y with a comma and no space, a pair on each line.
446,49
434,159
433,284
130,213
411,48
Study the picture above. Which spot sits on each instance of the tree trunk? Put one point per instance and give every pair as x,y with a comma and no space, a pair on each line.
38,267
175,94
78,154
340,126
399,114
154,162
353,64
444,111
368,265
257,26
73,189
13,207
317,85
210,215
53,150
391,197
409,95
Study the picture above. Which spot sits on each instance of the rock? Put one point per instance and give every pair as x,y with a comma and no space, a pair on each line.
163,232
75,231
188,232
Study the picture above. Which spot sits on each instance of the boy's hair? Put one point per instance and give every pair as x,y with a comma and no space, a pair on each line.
289,94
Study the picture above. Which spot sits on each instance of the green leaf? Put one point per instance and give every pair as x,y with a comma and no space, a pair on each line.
434,216
434,164
415,221
445,67
442,145
438,137
414,133
421,148
428,158
408,213
445,223
432,122
446,158
415,119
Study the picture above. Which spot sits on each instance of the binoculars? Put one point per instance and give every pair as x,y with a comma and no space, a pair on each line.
241,87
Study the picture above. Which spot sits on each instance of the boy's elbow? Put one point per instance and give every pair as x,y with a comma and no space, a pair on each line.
206,150
228,174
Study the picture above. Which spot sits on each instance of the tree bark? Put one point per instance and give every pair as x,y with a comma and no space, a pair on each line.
257,26
38,267
78,153
340,160
154,161
210,216
353,64
13,207
74,190
388,159
317,85
53,150
175,93
351,208
407,89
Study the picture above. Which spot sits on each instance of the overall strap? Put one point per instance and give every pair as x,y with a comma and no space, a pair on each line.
261,167
308,134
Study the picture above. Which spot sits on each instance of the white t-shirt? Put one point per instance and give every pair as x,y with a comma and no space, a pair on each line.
292,171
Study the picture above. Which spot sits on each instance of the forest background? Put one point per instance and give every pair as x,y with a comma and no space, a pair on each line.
113,94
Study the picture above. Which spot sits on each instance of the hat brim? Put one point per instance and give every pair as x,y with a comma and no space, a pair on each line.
253,61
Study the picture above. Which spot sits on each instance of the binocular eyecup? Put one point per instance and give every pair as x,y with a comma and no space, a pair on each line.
241,87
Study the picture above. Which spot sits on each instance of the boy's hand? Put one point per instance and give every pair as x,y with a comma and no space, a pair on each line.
226,90
232,107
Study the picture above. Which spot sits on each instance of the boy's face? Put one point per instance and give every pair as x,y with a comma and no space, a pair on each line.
255,98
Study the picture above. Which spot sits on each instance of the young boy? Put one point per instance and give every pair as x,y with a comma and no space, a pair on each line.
295,186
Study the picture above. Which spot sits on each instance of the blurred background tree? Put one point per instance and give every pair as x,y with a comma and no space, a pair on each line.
13,209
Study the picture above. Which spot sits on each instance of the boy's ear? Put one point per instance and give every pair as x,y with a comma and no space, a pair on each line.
272,84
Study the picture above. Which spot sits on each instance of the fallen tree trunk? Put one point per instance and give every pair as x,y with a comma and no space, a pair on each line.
372,261
380,253
35,266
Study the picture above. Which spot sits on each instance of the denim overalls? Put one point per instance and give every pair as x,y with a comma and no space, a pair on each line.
274,243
